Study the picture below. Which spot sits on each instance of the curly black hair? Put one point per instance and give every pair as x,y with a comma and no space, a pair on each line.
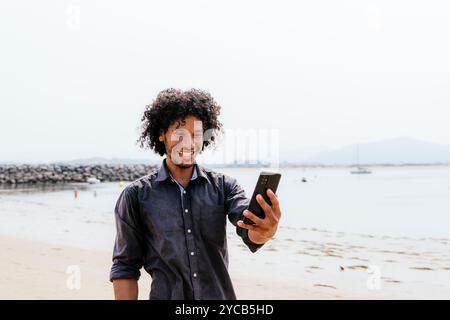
174,105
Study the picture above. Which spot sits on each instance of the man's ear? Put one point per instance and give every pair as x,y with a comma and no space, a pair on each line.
161,137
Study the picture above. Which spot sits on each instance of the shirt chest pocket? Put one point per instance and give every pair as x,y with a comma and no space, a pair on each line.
213,224
164,219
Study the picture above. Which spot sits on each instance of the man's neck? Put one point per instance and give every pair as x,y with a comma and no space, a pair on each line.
182,175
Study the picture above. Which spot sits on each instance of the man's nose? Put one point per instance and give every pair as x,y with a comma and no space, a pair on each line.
188,142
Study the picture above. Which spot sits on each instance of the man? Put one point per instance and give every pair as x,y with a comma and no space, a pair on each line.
172,221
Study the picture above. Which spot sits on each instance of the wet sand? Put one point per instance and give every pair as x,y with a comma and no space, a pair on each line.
354,266
37,270
297,264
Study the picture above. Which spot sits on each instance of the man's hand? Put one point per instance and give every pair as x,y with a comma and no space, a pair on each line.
264,229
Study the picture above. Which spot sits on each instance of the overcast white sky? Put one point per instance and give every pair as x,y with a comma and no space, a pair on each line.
75,75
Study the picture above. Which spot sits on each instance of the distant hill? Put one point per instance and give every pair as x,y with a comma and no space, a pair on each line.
397,151
393,151
98,160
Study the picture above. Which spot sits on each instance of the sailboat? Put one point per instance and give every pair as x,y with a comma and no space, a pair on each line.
359,169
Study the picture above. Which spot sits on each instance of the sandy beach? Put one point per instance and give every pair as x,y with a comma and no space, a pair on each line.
37,270
314,270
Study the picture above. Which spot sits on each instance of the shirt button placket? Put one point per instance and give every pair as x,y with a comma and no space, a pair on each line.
188,220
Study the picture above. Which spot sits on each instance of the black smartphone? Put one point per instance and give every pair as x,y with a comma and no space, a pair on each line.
266,180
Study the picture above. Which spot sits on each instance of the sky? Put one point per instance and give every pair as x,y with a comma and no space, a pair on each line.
75,76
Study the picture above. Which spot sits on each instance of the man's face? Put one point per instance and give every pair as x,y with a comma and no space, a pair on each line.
183,141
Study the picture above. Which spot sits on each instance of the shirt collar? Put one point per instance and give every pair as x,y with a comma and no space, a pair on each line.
164,173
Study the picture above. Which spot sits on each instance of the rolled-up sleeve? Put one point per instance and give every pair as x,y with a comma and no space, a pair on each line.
128,253
235,203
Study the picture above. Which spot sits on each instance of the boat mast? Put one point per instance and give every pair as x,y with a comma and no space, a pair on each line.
357,155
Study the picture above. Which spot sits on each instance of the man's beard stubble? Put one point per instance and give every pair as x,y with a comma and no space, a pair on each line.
184,166
180,164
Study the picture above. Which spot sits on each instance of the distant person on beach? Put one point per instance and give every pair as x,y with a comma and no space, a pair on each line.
172,221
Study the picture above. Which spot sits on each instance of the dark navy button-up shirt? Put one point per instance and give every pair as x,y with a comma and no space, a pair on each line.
180,241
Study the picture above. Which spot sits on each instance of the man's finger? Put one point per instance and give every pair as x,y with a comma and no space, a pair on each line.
275,203
267,208
250,215
242,224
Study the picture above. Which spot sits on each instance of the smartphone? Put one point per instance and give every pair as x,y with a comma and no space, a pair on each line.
266,180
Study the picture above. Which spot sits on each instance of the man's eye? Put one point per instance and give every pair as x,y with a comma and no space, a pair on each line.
177,137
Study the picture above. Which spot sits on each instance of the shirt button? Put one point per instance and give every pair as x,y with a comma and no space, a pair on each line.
189,230
186,210
192,253
195,275
184,192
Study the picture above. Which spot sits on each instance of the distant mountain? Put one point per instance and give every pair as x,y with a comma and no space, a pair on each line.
393,151
99,160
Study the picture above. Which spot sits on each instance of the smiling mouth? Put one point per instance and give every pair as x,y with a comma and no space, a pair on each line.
186,152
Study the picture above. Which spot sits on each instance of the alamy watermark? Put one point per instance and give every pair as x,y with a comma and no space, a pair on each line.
374,279
73,281
249,146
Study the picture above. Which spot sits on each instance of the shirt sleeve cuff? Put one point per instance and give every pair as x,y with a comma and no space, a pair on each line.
121,271
251,245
